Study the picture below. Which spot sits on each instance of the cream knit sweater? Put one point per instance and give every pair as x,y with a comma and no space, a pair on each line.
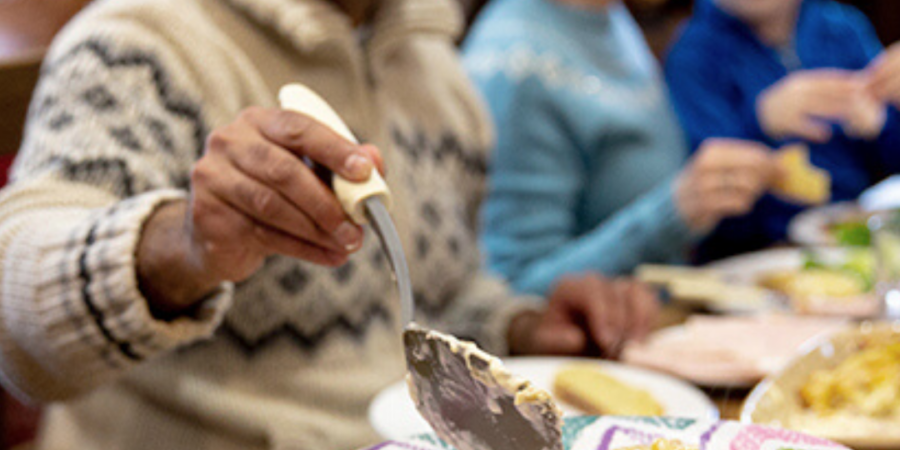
290,358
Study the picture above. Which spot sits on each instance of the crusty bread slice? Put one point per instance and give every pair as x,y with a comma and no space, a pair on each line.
591,390
801,182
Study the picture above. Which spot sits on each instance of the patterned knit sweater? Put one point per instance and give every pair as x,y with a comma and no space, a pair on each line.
290,358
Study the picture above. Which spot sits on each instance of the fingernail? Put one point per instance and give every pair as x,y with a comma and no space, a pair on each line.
357,166
349,236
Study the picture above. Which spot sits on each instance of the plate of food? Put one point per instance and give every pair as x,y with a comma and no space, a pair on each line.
654,433
821,280
578,385
708,288
728,351
841,223
845,388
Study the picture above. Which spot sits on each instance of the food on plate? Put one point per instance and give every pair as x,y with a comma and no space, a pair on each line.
662,444
662,275
864,384
716,350
703,286
806,283
818,286
844,389
801,181
593,391
852,232
714,293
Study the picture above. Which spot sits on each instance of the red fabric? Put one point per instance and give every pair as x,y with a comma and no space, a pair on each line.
20,421
5,162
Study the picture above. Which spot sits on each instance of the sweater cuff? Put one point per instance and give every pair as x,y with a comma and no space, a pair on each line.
497,339
78,288
675,227
484,312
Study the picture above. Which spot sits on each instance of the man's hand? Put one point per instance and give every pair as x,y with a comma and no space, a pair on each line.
586,315
725,178
804,103
252,196
884,76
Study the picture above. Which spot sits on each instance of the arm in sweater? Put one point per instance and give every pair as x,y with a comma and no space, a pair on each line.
868,48
703,100
536,179
110,137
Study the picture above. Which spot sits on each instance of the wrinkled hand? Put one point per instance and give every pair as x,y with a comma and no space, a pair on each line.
804,103
725,178
586,315
884,76
252,196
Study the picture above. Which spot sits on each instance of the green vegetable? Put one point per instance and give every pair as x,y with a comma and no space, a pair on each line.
854,234
860,263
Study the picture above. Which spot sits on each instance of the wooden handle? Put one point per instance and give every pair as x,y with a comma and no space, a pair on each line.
351,195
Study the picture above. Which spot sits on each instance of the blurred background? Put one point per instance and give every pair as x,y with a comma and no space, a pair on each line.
28,26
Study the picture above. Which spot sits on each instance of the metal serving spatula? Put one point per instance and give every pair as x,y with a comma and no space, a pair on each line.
467,396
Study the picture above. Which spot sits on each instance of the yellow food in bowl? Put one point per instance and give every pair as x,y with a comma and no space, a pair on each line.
591,390
866,383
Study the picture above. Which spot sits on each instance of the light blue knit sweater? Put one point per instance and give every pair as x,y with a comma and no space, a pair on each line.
581,178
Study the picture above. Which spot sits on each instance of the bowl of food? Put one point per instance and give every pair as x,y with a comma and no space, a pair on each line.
846,388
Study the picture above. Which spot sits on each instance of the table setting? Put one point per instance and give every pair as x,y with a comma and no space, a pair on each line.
801,329
787,347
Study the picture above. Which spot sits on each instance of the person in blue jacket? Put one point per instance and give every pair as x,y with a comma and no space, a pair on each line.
783,71
587,174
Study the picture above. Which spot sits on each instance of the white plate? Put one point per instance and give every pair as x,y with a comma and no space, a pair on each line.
810,227
749,267
713,351
704,378
393,414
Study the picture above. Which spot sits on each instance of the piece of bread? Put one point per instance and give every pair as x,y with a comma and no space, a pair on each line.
801,182
664,275
591,390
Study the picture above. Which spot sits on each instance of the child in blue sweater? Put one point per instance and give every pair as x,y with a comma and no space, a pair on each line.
781,71
587,170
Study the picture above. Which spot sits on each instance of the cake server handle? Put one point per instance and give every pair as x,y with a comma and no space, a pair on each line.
365,202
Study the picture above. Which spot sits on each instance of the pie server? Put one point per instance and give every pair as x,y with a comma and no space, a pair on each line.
466,394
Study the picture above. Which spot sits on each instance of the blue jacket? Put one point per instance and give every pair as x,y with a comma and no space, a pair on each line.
717,69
